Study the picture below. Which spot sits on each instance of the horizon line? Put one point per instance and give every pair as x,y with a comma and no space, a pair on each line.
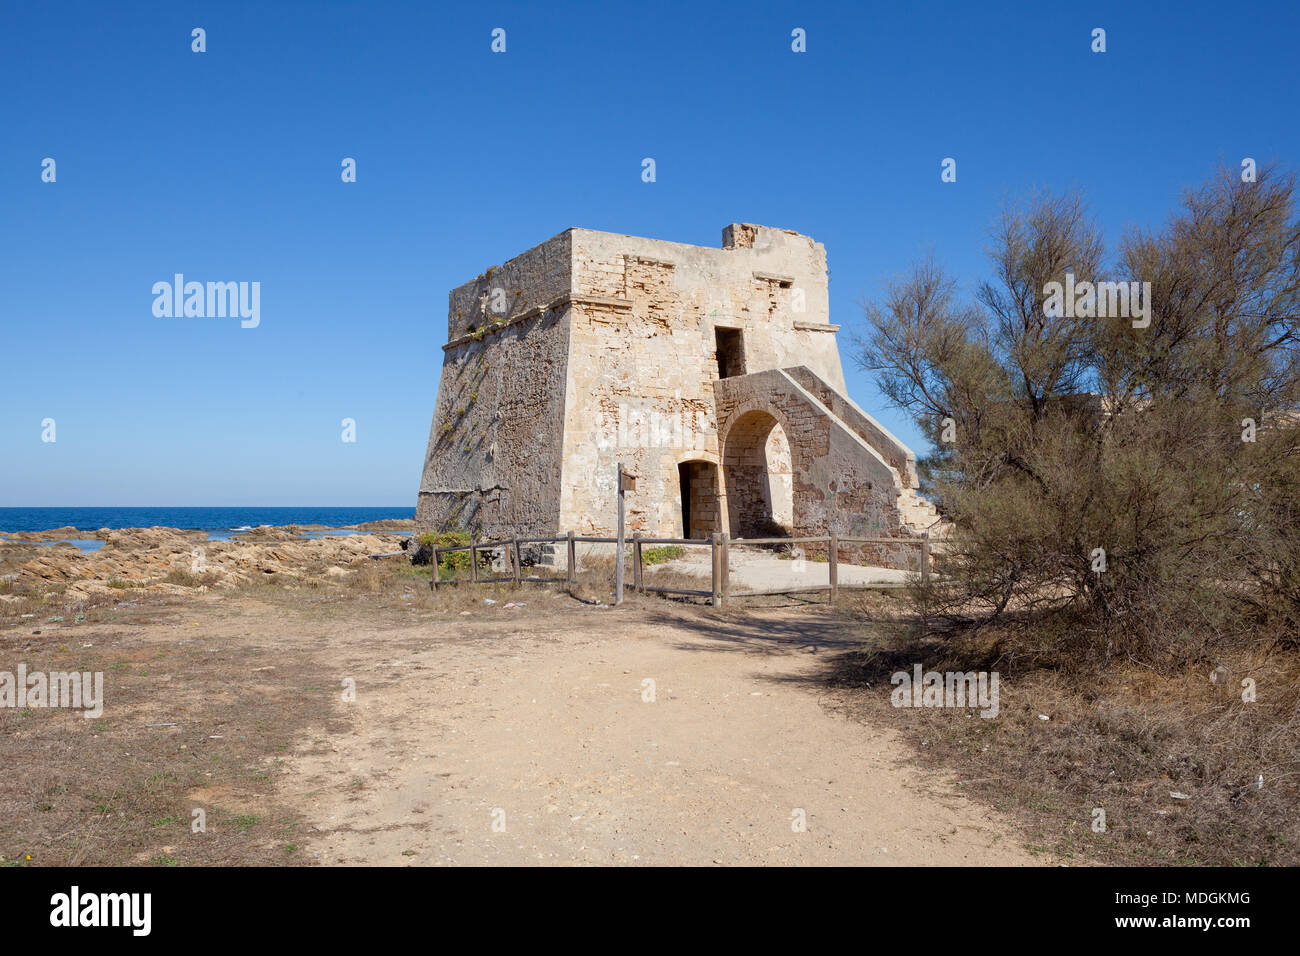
35,507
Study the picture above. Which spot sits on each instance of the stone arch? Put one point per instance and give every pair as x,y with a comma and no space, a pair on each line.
758,469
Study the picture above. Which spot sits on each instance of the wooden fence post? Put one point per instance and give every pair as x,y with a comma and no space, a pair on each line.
433,584
473,560
717,594
834,558
573,561
724,568
517,560
636,561
618,548
925,560
925,581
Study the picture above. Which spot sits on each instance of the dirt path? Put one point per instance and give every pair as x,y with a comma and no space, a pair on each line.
541,725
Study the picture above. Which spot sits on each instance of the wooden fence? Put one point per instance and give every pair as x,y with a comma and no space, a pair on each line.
719,544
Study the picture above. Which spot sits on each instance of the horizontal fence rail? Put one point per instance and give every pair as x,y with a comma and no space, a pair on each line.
719,545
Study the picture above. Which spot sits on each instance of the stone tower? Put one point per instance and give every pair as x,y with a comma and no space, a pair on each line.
712,374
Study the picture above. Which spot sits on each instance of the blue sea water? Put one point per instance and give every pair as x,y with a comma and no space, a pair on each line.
218,522
85,545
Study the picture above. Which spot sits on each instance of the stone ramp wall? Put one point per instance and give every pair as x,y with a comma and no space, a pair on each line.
896,454
841,483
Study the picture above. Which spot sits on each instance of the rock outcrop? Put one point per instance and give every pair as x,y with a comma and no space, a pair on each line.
170,559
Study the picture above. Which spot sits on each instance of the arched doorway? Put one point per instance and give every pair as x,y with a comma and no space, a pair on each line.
756,465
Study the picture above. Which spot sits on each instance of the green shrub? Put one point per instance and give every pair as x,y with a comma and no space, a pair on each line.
456,560
669,552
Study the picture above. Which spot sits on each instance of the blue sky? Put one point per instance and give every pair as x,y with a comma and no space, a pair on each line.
225,166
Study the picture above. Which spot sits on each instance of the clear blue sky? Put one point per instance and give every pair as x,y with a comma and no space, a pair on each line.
225,166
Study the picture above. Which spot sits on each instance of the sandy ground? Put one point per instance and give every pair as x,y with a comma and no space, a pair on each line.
759,571
529,741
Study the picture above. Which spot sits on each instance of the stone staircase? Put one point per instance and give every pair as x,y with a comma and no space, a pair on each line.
919,515
916,513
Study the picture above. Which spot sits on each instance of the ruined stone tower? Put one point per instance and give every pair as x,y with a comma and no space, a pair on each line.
712,374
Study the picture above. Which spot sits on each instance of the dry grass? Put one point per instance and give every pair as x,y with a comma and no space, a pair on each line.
116,790
1122,740
188,579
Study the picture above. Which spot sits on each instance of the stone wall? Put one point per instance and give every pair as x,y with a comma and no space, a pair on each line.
643,357
493,458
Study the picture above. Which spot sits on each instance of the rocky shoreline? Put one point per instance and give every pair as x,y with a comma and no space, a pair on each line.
177,560
286,531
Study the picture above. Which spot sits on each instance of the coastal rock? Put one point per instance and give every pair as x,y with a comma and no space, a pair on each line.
171,560
387,524
55,566
54,534
132,539
265,532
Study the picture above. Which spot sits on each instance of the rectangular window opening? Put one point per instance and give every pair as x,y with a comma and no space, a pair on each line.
731,352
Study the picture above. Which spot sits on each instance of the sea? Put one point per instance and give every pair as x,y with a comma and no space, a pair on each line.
217,522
